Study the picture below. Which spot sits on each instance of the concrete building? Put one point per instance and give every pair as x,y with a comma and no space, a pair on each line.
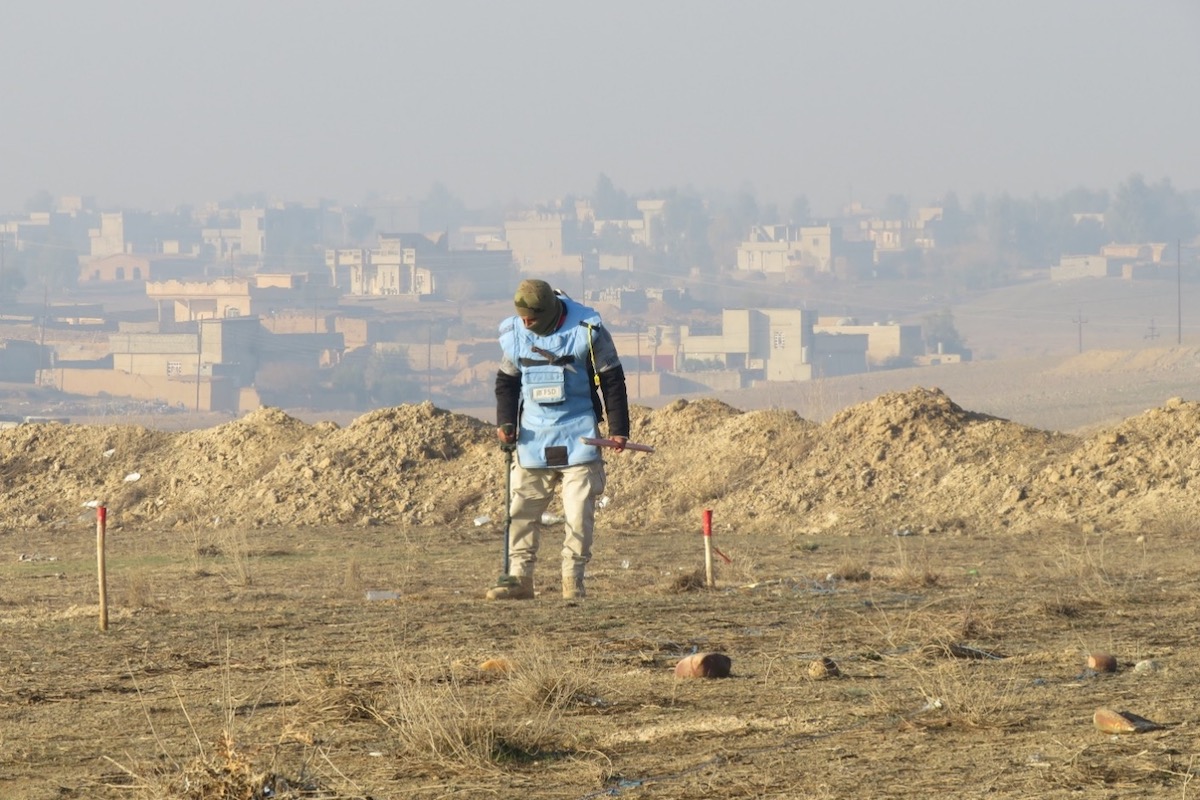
20,360
206,364
136,267
546,246
417,265
1087,266
1152,253
279,236
886,344
123,232
777,344
778,249
652,220
770,250
257,295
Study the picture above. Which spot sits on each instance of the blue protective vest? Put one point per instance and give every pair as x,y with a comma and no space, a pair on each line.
556,398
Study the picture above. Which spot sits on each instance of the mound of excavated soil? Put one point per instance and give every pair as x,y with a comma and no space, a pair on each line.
909,460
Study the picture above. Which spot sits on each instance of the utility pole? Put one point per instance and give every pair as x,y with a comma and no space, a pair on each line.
1178,292
42,334
2,240
639,363
1153,334
1080,322
199,355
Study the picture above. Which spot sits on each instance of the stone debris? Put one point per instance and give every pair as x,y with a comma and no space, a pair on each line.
822,668
704,665
1109,721
500,666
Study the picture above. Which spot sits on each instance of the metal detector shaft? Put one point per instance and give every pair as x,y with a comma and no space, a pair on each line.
508,464
641,448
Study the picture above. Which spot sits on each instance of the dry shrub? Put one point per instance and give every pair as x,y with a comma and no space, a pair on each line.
352,579
850,569
693,581
1137,767
971,693
335,699
913,570
226,773
458,725
234,544
542,678
137,591
443,726
1096,573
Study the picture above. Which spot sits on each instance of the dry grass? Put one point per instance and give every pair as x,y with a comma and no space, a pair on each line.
915,570
300,684
455,723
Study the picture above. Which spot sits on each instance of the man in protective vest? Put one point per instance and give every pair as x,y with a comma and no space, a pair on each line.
559,376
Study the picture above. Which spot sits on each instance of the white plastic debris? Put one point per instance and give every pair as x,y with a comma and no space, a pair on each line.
382,594
602,502
550,519
482,519
133,476
92,504
108,453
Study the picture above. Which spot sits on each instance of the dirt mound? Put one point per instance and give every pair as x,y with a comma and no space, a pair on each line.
1139,471
905,462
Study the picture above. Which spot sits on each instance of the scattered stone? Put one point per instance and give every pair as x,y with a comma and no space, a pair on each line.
823,668
500,666
704,665
1146,665
1102,662
1109,721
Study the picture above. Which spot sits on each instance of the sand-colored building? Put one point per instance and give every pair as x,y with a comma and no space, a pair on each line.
257,295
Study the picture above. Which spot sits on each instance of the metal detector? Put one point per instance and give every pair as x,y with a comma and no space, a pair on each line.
505,578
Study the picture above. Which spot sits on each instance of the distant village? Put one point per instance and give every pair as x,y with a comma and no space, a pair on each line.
323,306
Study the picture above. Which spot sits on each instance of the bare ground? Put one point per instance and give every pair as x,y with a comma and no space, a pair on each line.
957,566
266,671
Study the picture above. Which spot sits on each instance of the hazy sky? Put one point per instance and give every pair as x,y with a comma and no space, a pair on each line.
151,104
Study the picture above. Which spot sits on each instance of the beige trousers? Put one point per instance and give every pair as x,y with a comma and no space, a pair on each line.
532,491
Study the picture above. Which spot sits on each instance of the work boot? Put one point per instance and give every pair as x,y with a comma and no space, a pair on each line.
572,587
519,588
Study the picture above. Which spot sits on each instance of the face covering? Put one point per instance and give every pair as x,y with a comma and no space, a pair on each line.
537,301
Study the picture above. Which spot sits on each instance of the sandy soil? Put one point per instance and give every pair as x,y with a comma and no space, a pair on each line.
957,566
254,665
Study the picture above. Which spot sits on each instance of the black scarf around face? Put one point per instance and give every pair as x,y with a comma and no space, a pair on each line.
536,300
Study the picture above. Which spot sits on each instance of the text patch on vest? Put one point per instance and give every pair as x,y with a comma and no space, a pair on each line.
545,385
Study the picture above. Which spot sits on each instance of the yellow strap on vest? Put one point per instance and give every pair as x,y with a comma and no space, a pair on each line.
592,353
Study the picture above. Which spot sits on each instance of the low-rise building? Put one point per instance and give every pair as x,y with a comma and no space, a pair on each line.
417,265
1085,266
257,295
778,249
888,344
136,267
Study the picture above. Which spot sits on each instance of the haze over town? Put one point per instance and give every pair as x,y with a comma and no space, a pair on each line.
240,202
149,105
